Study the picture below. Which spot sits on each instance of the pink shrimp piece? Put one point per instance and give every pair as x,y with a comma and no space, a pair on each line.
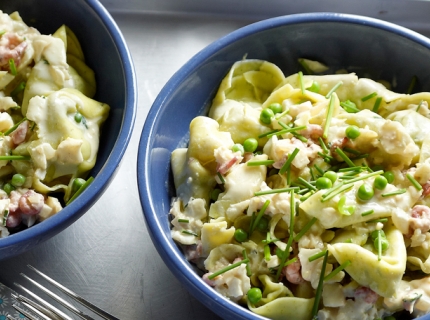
31,202
312,131
426,189
207,280
19,134
292,273
366,294
13,220
11,47
224,167
420,218
193,252
14,201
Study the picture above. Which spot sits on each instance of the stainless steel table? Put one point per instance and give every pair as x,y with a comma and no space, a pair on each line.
107,256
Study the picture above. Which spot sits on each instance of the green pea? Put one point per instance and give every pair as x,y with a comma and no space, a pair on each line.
250,144
323,183
380,182
389,175
8,188
365,192
17,180
76,184
263,224
276,107
376,233
352,132
238,147
240,235
331,175
315,87
384,244
214,194
266,116
254,295
78,117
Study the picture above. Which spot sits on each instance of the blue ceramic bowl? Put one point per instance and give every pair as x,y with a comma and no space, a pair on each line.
107,54
370,47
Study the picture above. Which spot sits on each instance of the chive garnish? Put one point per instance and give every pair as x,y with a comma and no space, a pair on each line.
280,115
13,128
5,215
328,117
319,288
268,240
366,213
414,182
379,245
18,89
345,188
419,106
320,171
259,216
12,67
366,176
255,163
303,191
286,130
248,268
300,137
273,191
307,184
369,96
345,157
326,157
378,220
317,256
80,190
307,196
269,133
10,158
266,252
286,166
393,193
305,66
353,151
190,233
183,220
290,261
305,229
228,268
355,169
221,178
302,85
376,105
323,145
337,85
349,106
412,84
337,270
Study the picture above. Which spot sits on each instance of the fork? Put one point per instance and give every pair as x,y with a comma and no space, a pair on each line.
46,311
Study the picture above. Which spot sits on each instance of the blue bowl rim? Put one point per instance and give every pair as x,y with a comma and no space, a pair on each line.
166,248
81,204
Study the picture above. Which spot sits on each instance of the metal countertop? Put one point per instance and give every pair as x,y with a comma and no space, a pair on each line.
107,256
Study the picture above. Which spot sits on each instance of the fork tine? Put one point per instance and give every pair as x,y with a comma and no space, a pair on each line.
28,314
70,293
43,306
59,299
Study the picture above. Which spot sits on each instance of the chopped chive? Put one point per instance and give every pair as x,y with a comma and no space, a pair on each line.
221,178
419,106
345,157
184,220
369,96
353,151
317,256
269,133
328,117
12,67
300,137
290,261
366,213
333,189
307,196
80,190
378,220
190,233
319,288
5,215
312,174
303,191
267,252
323,145
412,84
326,156
355,169
307,184
394,193
248,268
280,115
18,89
336,86
305,66
337,270
268,240
379,245
366,176
345,188
349,106
259,216
305,229
376,105
228,268
13,128
320,171
286,166
281,190
414,182
255,163
347,176
287,130
302,85
10,158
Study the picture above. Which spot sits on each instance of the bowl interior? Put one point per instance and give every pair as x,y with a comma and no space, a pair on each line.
369,47
107,54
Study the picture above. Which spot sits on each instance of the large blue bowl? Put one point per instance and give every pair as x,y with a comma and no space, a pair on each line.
372,47
107,54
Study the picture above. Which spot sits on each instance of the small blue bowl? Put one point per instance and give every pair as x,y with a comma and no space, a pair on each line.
370,47
107,54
